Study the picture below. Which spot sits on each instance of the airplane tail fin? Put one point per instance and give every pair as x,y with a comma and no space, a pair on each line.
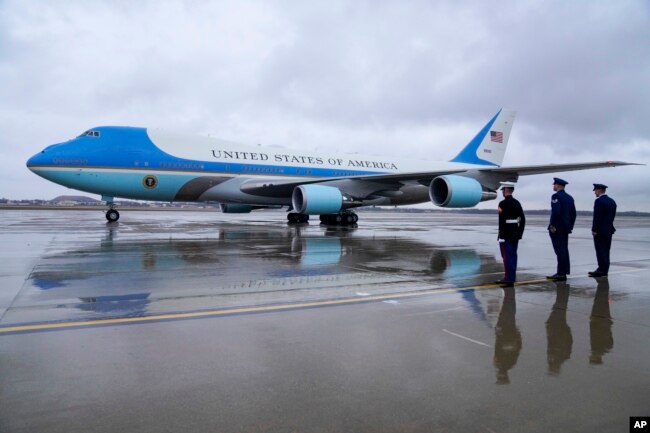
489,145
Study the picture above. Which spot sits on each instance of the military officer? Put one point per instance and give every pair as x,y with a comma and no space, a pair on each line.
511,228
602,228
563,217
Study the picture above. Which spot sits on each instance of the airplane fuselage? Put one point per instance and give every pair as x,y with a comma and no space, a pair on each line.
144,164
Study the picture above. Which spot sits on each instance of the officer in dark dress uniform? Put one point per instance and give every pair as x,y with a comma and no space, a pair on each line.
563,217
511,228
602,228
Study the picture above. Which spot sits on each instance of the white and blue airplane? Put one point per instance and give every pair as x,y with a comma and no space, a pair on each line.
150,164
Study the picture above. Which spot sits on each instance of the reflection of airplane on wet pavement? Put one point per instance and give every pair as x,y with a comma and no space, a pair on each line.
256,262
267,265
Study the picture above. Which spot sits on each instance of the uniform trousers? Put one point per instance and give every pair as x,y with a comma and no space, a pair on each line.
603,244
509,255
560,243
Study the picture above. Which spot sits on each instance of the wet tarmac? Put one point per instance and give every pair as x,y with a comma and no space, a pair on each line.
182,321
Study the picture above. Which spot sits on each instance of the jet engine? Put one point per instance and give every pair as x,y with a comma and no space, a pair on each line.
458,191
316,199
235,208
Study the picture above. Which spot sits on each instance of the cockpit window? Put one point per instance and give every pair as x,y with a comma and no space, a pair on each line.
89,133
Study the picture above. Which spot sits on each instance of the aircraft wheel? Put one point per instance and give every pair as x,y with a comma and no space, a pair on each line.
295,218
112,215
340,219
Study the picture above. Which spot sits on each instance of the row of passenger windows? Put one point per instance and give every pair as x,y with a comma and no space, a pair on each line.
349,173
299,171
183,165
258,169
63,161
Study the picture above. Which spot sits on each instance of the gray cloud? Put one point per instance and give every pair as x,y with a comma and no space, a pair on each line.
414,78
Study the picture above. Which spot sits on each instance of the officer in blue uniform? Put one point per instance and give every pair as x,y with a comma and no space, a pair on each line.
512,222
602,228
563,218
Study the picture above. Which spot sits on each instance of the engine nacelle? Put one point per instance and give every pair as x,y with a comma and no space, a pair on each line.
235,208
458,191
316,199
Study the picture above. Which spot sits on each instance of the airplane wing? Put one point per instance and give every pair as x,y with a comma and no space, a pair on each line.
526,170
357,185
364,185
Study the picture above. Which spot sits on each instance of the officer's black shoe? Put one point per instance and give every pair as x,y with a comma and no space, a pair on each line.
505,283
556,277
596,274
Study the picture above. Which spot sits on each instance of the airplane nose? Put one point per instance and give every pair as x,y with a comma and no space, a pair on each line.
31,162
36,160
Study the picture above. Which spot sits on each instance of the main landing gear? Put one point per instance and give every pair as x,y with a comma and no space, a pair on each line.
297,218
344,218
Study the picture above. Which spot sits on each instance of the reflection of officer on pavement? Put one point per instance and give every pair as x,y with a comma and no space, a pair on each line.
511,228
602,228
507,343
600,324
563,217
558,333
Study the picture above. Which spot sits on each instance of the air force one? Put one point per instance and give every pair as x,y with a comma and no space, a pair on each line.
150,164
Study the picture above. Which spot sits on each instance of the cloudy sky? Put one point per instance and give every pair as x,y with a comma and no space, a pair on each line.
395,78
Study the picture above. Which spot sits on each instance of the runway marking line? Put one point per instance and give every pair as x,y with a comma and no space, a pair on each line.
244,310
466,338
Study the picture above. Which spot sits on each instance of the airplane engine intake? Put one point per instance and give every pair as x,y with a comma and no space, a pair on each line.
317,199
458,191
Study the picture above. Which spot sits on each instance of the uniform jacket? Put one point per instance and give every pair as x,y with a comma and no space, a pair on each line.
510,209
604,214
563,212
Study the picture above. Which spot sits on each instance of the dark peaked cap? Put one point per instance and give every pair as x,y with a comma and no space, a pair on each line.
559,181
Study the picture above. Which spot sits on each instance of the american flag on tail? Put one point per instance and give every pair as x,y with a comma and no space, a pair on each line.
496,136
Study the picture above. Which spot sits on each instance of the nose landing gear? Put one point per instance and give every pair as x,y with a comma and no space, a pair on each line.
112,215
